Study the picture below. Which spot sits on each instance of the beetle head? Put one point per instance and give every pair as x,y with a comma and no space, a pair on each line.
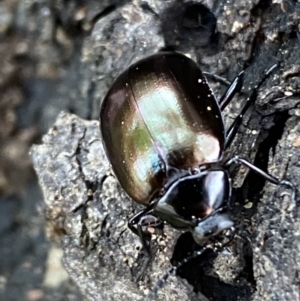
194,203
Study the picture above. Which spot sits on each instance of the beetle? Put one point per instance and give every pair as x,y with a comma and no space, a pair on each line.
164,135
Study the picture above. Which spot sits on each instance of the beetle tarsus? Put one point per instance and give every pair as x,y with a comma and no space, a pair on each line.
143,269
291,186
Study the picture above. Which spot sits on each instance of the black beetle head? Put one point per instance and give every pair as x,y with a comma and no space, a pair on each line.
191,202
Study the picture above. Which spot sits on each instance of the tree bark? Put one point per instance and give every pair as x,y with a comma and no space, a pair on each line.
88,211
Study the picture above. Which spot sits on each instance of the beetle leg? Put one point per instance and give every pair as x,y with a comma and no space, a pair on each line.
232,130
136,224
267,176
162,281
218,247
244,235
144,218
221,79
234,88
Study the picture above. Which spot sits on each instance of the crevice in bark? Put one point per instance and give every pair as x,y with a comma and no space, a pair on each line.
254,184
199,272
261,7
108,10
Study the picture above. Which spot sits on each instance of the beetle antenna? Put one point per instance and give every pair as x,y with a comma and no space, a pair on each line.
162,281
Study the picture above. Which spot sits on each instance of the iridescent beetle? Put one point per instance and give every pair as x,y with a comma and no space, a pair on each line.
164,135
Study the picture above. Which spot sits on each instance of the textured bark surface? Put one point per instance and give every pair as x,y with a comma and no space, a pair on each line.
89,217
